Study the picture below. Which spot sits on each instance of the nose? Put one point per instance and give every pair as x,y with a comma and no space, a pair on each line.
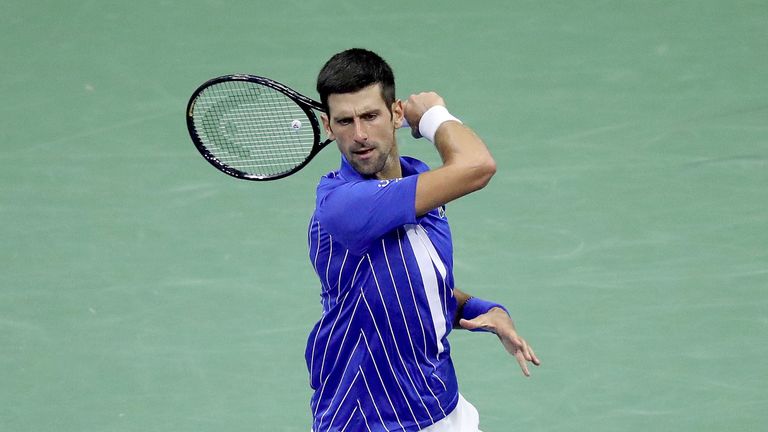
361,135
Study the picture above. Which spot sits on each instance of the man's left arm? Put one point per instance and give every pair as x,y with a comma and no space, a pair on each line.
495,319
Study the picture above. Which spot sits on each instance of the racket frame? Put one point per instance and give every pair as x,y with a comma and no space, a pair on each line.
306,104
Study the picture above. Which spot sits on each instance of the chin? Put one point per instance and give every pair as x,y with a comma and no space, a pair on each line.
366,170
370,169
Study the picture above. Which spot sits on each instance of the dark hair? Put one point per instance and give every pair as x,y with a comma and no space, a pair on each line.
353,70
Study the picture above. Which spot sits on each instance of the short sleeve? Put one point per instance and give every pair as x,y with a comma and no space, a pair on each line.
358,213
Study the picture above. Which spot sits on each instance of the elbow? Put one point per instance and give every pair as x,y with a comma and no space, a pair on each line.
490,170
483,173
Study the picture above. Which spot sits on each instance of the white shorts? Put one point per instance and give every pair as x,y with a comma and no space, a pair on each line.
464,418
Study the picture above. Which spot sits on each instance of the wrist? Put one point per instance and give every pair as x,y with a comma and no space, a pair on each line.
432,119
475,307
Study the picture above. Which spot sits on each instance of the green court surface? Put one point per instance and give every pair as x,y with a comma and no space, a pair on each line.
626,228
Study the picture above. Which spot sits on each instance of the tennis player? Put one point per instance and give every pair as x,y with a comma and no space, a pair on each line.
379,240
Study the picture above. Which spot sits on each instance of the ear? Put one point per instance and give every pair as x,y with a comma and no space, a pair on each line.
397,113
327,126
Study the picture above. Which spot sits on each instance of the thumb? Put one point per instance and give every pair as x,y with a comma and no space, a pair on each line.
470,324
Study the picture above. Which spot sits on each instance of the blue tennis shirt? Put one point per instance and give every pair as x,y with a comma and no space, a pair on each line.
379,357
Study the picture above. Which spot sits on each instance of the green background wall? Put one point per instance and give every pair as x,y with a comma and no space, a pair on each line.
626,228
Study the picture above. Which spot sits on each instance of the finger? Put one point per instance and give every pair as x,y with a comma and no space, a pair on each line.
526,349
529,354
523,363
534,359
512,343
413,122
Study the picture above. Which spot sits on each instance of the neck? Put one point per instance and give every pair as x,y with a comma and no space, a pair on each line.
392,168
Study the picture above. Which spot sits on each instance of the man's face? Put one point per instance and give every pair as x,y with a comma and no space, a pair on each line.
364,130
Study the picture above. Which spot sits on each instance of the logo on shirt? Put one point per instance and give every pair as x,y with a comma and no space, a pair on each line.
385,183
441,212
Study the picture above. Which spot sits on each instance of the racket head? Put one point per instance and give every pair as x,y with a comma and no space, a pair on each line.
253,128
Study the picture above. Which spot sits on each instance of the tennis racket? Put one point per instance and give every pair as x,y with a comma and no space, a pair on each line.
254,128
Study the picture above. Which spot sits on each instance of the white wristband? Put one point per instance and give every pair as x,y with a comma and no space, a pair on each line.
432,119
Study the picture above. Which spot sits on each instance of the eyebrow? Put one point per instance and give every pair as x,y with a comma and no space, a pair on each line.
365,112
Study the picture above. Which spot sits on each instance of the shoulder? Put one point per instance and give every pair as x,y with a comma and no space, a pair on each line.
413,165
330,178
327,183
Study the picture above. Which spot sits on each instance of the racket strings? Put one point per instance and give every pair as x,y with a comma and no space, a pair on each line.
253,128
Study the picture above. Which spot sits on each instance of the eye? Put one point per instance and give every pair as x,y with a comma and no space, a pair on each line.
344,121
370,116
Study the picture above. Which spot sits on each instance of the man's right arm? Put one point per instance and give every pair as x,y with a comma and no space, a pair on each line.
467,164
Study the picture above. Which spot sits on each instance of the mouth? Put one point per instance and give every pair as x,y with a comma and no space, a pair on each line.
363,153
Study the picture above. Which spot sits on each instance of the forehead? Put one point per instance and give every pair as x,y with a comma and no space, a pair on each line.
365,99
